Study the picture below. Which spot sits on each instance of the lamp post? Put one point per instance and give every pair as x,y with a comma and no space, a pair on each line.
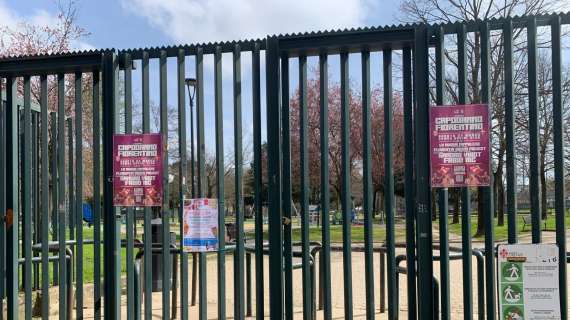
191,84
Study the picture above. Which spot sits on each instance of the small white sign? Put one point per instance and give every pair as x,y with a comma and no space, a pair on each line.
528,281
200,231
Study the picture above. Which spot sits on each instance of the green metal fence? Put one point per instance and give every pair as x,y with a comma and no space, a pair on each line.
42,195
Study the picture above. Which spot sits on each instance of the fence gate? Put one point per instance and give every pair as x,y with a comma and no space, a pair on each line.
56,130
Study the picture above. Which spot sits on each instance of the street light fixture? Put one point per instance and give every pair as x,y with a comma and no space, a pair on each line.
191,84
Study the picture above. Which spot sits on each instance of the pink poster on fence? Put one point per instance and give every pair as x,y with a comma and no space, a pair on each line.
137,170
459,141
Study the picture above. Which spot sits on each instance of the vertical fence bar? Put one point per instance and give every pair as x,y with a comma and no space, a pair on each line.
423,192
304,163
488,191
3,150
111,227
559,193
54,189
346,195
173,241
367,186
35,198
12,203
20,215
70,212
466,194
389,186
510,133
27,199
147,212
96,195
444,253
258,183
70,183
220,183
165,200
182,180
203,307
45,196
325,186
79,193
274,180
534,127
239,302
443,193
128,96
286,185
409,182
248,286
61,193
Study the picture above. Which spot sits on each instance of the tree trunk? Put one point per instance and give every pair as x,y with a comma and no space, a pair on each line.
543,205
338,198
500,192
480,206
501,204
498,182
456,206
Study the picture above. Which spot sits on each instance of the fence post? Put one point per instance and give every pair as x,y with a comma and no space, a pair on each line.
3,184
559,197
423,194
12,203
274,178
409,183
110,227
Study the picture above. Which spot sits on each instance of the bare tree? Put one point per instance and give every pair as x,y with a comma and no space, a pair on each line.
26,38
546,122
446,11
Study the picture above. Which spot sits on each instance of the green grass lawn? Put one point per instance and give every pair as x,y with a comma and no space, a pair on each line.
501,232
89,255
315,233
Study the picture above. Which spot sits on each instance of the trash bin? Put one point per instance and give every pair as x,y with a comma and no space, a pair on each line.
156,236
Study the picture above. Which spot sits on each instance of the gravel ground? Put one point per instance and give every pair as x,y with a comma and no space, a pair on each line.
358,289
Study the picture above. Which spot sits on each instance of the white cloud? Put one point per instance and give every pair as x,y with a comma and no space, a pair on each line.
12,19
41,18
195,21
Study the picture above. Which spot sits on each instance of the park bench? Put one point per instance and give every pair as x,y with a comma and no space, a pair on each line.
528,221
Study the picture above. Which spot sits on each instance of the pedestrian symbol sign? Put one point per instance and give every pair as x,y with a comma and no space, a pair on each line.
528,281
512,294
512,271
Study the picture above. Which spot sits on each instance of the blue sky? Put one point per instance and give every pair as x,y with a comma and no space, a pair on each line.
143,23
140,23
